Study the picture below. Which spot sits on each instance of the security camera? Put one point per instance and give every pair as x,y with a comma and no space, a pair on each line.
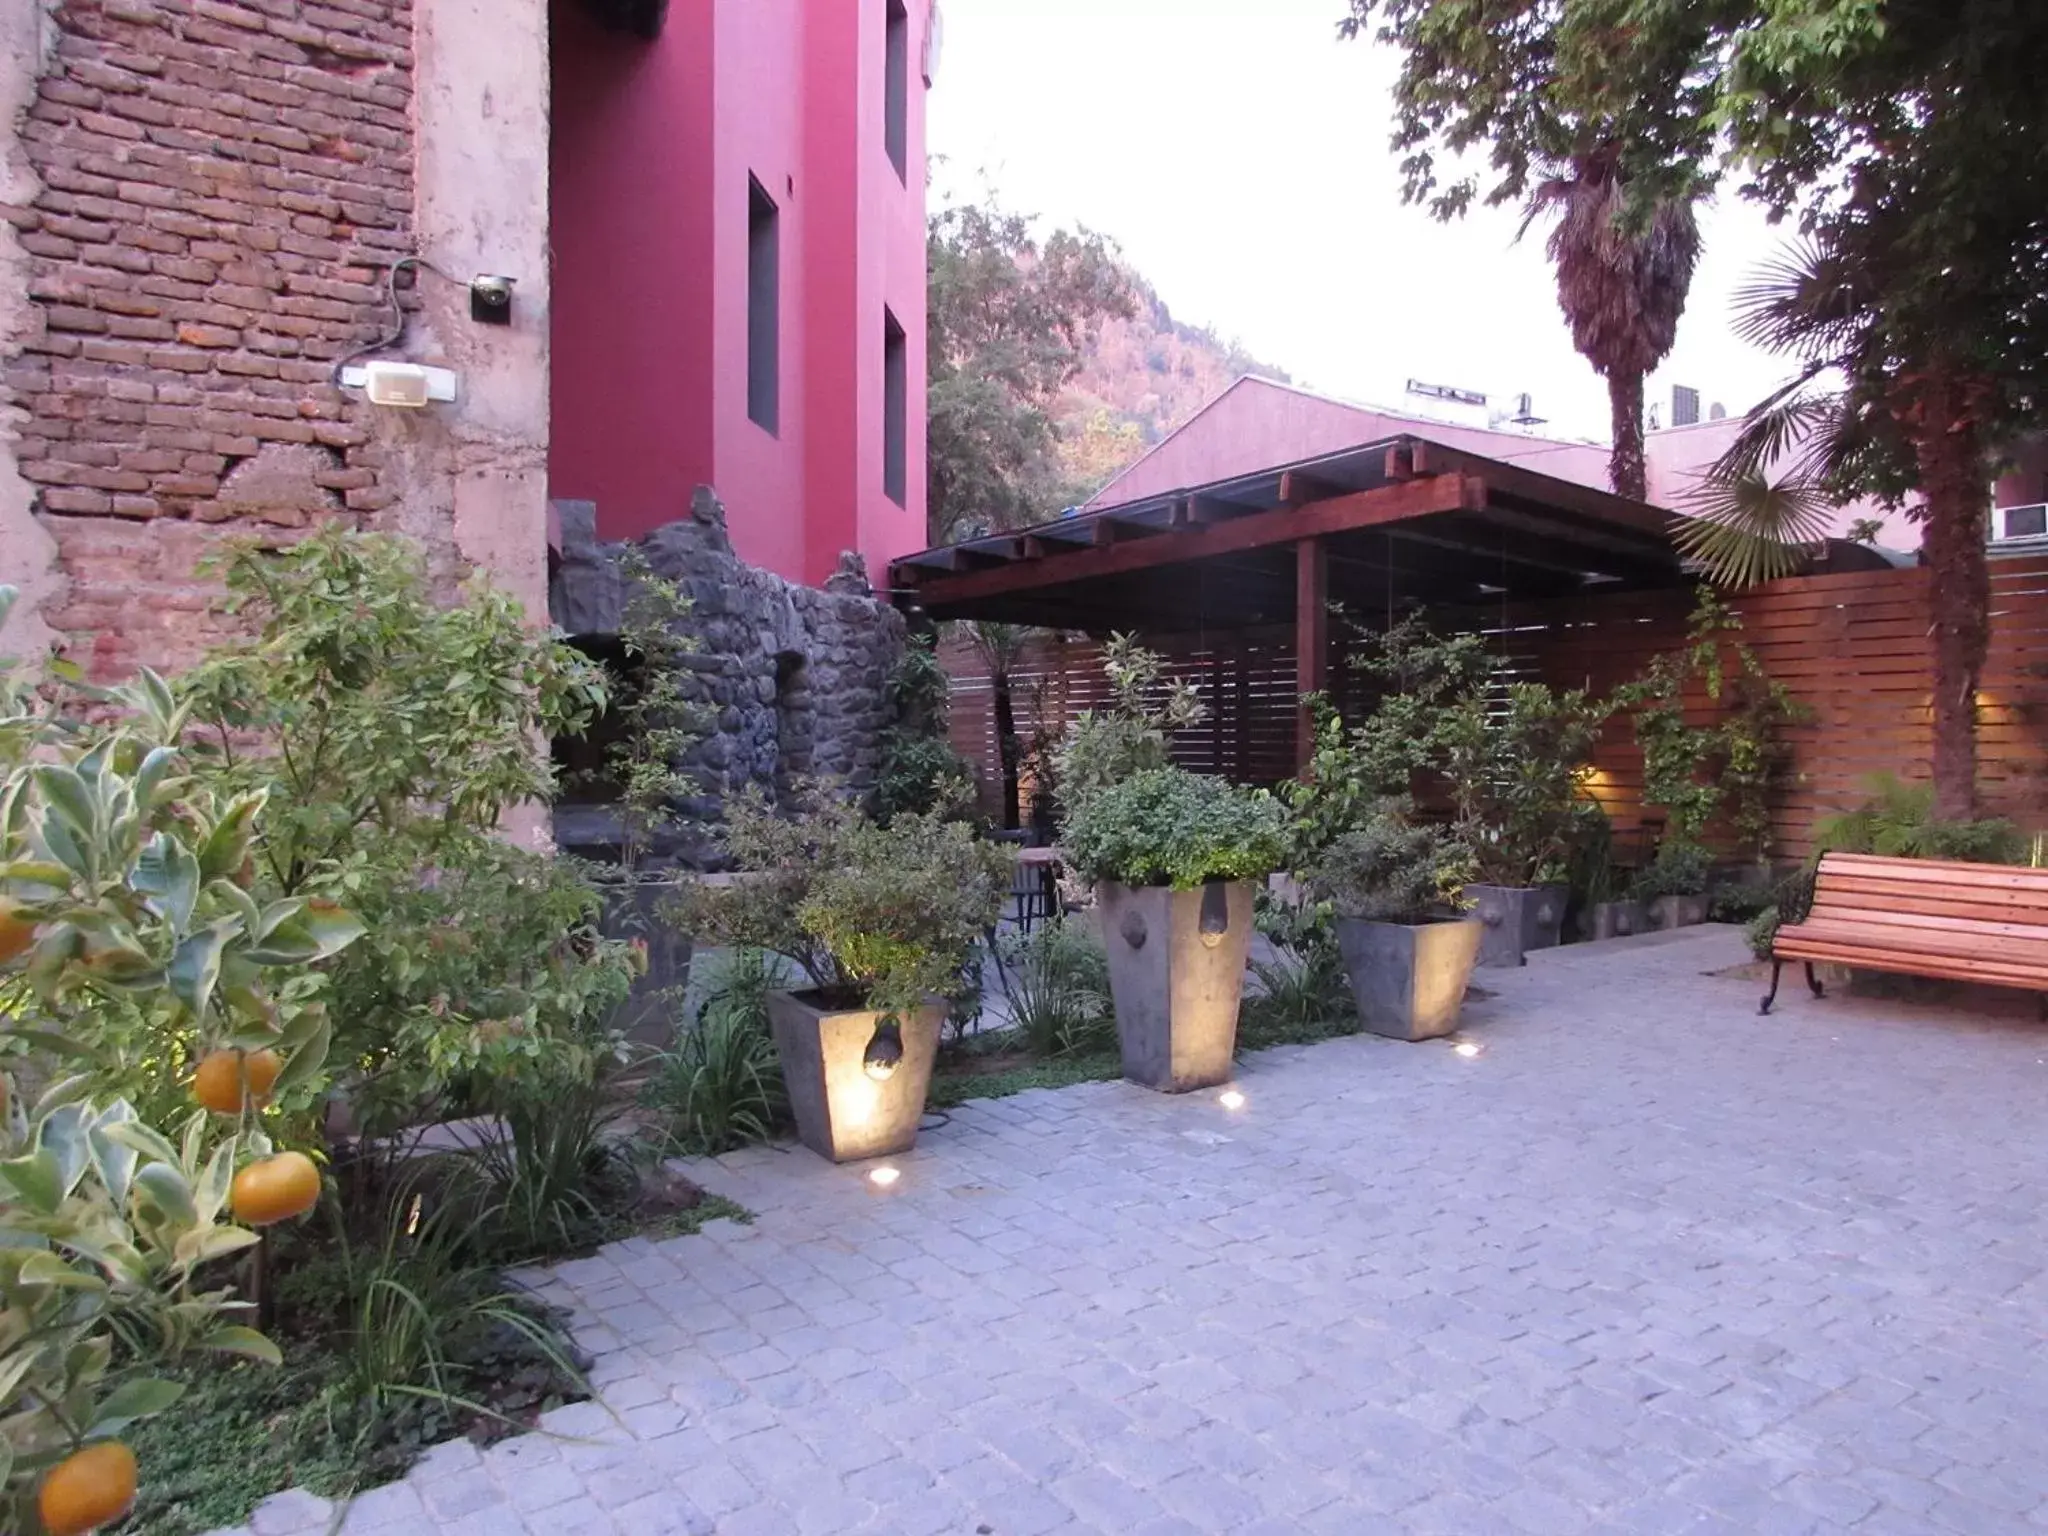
490,299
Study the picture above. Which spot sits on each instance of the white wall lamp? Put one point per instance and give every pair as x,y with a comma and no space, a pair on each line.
409,385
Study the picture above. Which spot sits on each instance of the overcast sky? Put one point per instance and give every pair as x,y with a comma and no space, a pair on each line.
1238,153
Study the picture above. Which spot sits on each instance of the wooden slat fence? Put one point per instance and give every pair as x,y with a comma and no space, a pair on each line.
1854,649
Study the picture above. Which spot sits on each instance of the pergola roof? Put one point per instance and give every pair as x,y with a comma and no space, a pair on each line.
1397,522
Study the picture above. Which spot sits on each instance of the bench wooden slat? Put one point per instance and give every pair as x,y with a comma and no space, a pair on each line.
1904,939
1921,871
1925,917
1919,965
1877,892
1998,926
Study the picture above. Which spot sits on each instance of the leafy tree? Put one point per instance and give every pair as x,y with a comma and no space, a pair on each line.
920,771
1009,317
1912,140
131,946
1614,140
1000,646
1102,748
1092,456
391,734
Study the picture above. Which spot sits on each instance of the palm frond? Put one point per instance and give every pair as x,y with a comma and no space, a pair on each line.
1802,301
1745,528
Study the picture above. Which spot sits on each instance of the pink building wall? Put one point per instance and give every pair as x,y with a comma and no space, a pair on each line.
654,144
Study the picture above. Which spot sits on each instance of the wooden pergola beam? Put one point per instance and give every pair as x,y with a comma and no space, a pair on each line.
1257,530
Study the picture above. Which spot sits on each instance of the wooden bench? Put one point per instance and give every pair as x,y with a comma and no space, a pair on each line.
1922,917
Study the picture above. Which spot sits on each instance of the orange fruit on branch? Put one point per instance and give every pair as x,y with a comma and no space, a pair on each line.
17,932
87,1489
275,1189
222,1076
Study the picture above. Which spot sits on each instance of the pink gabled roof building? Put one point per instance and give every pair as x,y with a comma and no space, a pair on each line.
1257,422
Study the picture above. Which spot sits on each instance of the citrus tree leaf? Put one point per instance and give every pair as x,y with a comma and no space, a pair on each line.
246,1342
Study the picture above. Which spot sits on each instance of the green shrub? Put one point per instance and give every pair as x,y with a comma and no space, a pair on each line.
873,916
1514,757
1103,748
1732,764
1390,870
418,1324
1898,821
721,1087
396,732
1166,826
130,945
1509,753
919,770
1057,979
1679,869
903,910
1301,992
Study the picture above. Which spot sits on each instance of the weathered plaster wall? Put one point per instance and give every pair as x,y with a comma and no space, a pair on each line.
791,678
28,555
481,206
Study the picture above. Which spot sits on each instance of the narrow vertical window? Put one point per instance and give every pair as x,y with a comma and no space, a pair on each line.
764,304
895,408
896,89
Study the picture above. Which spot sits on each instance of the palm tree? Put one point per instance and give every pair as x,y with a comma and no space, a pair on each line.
1859,417
1000,647
1623,271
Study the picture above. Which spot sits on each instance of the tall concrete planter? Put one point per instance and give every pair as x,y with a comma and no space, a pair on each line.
1677,912
1517,919
1620,919
842,1111
1176,975
1409,978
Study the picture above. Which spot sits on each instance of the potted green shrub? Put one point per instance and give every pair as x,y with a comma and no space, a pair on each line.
1397,890
1514,758
1174,856
1672,888
880,921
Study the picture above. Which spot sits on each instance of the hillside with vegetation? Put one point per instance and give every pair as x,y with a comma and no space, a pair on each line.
1140,377
1051,365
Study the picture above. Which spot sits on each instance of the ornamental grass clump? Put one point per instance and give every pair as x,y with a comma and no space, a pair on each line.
1166,826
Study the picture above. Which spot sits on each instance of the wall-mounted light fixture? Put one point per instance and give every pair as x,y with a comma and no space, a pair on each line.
885,1050
409,385
490,299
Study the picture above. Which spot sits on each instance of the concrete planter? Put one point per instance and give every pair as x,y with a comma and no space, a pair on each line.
1620,919
841,1111
1176,974
1517,918
1677,912
1409,978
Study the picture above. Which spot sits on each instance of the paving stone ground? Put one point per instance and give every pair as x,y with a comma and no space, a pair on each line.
1650,1264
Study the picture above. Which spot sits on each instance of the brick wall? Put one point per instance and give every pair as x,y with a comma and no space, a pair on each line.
223,187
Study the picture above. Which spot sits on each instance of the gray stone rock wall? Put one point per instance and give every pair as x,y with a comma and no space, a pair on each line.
791,679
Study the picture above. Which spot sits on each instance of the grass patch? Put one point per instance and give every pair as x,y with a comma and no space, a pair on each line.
988,1072
998,1075
245,1431
240,1433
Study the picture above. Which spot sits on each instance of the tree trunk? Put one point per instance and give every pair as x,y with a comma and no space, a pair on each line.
1953,479
1009,749
1625,463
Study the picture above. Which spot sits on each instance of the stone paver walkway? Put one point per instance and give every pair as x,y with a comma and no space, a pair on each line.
1649,1264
